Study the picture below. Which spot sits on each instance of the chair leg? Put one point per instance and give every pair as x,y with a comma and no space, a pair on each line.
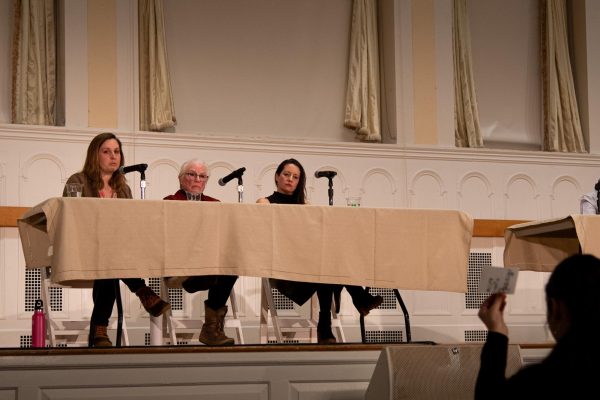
234,314
271,308
168,315
337,324
45,294
406,315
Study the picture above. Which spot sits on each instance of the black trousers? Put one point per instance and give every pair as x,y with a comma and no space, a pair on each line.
219,293
104,295
218,286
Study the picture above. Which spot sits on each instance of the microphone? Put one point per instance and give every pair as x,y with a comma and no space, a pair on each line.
136,167
235,174
325,174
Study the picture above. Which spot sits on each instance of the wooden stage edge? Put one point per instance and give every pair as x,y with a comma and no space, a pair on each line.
481,227
266,348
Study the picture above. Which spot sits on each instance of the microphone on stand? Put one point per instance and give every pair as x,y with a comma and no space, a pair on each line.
131,168
325,174
330,175
235,174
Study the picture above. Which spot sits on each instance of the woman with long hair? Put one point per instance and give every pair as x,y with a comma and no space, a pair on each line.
100,177
290,184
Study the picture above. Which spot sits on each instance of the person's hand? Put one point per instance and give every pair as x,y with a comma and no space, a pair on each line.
491,313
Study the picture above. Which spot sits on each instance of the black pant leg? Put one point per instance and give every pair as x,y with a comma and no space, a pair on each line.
325,295
104,296
356,292
134,284
218,294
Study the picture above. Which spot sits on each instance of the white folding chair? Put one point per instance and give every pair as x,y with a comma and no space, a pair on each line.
61,332
186,329
292,328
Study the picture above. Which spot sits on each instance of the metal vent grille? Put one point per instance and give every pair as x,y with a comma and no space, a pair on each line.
24,341
389,298
56,298
477,261
476,335
291,341
33,287
383,336
281,301
175,294
168,342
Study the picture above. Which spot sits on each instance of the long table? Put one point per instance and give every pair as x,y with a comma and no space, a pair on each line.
86,238
541,245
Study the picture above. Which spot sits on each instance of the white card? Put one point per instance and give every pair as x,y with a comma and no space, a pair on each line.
498,279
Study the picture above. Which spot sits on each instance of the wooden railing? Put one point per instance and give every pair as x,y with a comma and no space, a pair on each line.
9,216
493,227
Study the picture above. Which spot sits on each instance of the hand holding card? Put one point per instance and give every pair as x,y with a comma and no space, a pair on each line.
498,279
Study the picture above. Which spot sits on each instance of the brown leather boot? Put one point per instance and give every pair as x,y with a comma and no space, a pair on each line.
324,333
366,303
152,302
212,332
101,337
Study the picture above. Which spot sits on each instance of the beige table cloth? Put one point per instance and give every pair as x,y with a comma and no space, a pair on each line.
541,245
89,238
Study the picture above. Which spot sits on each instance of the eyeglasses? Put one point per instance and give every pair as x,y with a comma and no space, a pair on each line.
194,176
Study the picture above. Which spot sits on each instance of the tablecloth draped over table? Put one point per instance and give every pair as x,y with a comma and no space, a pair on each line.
88,238
541,245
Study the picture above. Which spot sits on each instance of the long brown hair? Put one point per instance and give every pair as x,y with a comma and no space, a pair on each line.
300,192
91,167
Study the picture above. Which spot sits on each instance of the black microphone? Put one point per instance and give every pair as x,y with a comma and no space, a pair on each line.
131,168
325,174
235,174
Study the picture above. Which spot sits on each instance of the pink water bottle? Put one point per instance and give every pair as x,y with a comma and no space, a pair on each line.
38,326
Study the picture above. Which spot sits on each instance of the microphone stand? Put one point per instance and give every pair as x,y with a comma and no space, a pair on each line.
155,322
143,185
240,189
117,284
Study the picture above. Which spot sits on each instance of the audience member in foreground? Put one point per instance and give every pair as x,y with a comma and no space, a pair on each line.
572,368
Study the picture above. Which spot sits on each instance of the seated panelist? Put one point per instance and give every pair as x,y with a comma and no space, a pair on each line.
192,181
100,177
290,185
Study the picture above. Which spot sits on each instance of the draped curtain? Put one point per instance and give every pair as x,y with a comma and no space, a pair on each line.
562,127
156,99
467,132
34,63
362,93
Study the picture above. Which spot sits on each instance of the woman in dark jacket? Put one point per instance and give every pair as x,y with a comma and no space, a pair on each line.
290,183
572,369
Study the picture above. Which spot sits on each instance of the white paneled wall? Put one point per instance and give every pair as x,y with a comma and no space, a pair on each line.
35,163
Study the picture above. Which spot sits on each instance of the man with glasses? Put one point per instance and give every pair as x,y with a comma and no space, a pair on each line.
192,181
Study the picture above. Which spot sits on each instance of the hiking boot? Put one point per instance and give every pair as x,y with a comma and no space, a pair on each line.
212,332
152,302
101,337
